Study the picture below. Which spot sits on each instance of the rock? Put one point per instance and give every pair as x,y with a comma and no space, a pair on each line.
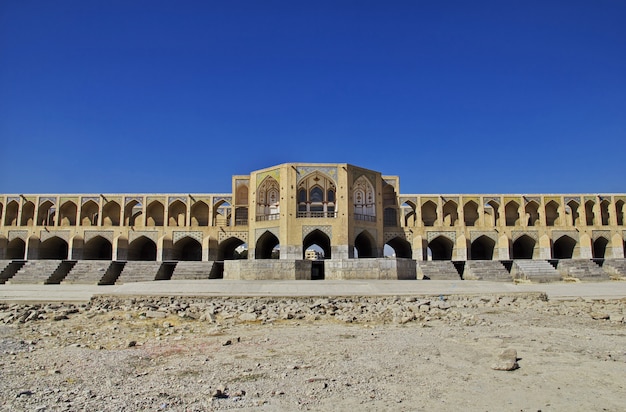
247,317
155,314
599,315
132,343
506,361
220,392
59,317
227,343
616,317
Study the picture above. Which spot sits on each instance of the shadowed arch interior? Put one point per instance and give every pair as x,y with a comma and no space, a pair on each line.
563,248
365,245
142,248
265,245
53,248
523,247
98,248
16,249
226,249
599,247
111,214
482,248
187,249
401,247
441,248
319,238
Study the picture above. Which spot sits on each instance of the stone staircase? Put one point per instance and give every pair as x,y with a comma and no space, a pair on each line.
191,270
88,272
143,271
582,269
615,268
8,268
437,270
540,271
492,270
42,272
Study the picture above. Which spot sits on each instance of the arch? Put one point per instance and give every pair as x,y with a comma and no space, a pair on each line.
408,211
10,218
563,248
470,213
604,212
53,248
16,249
599,247
89,213
450,213
441,248
28,214
187,249
401,247
573,212
241,216
619,212
155,213
143,249
389,195
590,216
200,214
363,197
177,213
365,245
319,238
46,213
242,195
316,196
511,213
67,214
552,213
523,247
429,213
532,213
132,212
492,209
390,217
267,247
98,248
221,213
268,198
482,248
111,214
227,249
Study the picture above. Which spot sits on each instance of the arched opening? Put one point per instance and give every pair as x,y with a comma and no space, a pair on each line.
16,249
316,196
429,213
390,217
242,195
231,249
563,248
10,219
604,212
267,247
142,248
241,216
268,200
492,213
221,213
450,213
53,248
365,245
552,213
111,214
523,247
177,213
619,212
89,214
132,212
401,248
441,248
317,240
200,214
470,213
589,212
155,214
573,212
482,248
408,211
187,249
98,248
532,213
67,214
511,212
46,213
28,214
599,247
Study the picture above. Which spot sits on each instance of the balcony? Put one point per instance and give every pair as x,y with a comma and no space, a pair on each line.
263,218
316,215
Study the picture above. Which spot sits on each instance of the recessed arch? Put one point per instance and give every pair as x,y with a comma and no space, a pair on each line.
187,249
16,249
111,214
573,212
450,213
590,216
482,248
53,248
97,248
492,213
177,213
10,218
604,212
532,213
441,248
401,247
408,211
227,249
365,245
200,214
599,247
46,213
563,248
319,238
143,249
552,213
619,212
470,213
523,247
511,213
429,213
132,213
267,247
28,214
67,214
363,198
222,211
89,213
155,214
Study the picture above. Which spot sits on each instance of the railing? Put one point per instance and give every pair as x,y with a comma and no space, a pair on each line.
241,222
364,218
273,216
317,214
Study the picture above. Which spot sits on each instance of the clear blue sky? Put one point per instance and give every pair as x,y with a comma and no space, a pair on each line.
177,96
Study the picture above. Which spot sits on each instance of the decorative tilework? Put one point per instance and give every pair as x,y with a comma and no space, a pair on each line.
84,200
11,199
516,234
137,199
243,236
181,234
570,198
433,235
274,173
227,199
52,200
405,235
491,234
557,234
596,234
328,230
106,234
535,199
304,171
18,234
62,234
172,199
260,232
150,234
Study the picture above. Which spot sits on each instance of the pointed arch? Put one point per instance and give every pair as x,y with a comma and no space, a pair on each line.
599,247
10,218
222,211
482,248
187,249
532,213
365,245
408,211
470,213
590,215
511,213
401,247
177,213
441,248
89,213
67,214
364,199
155,213
267,246
268,199
429,213
16,249
552,213
111,214
28,214
604,212
143,249
227,249
619,212
450,213
316,196
46,213
200,214
132,213
563,248
524,247
319,238
97,248
53,248
572,210
492,213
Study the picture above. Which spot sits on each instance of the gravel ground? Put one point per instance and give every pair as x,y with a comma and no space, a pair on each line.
472,352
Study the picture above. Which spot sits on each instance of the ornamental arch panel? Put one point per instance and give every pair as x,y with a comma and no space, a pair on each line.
364,197
552,213
111,214
28,214
89,213
67,214
177,213
429,213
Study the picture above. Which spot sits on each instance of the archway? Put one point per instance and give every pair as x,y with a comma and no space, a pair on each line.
132,212
523,247
111,214
401,248
492,213
53,248
552,213
599,247
408,211
98,248
177,214
563,248
429,213
187,249
365,245
604,212
28,214
450,213
16,249
10,218
532,213
511,212
200,214
482,248
45,214
267,247
142,248
590,216
67,214
441,248
470,213
227,249
155,214
89,214
319,239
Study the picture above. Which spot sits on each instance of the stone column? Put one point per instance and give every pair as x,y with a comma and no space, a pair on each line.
3,212
100,211
613,213
439,221
481,212
57,211
461,213
188,214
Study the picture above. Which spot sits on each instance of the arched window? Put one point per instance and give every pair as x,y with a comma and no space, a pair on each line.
316,196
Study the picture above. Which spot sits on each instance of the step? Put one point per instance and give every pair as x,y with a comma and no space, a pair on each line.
582,269
615,268
539,271
437,270
42,272
492,270
192,270
87,272
9,268
142,271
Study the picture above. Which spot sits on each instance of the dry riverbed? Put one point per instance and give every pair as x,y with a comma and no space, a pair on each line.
386,353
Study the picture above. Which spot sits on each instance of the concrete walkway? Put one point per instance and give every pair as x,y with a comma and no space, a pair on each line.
219,287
